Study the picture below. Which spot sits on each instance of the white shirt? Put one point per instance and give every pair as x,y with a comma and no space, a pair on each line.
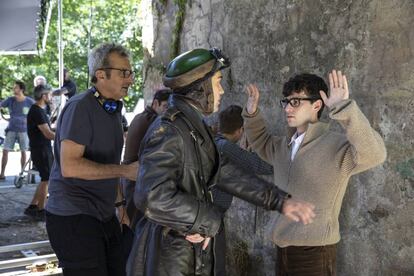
295,142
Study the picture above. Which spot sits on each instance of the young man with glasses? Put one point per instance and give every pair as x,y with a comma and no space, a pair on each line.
313,164
80,213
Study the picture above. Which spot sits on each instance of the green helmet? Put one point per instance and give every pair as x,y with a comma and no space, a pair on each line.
193,67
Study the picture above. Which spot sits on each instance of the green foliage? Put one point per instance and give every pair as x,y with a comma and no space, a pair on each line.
115,21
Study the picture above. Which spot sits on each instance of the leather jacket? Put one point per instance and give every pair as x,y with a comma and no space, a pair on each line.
179,164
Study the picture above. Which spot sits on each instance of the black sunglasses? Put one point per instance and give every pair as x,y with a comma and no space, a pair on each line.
295,102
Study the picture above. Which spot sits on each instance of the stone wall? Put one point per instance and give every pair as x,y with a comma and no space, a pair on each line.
372,41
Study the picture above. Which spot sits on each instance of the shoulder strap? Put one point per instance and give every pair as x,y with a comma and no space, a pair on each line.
171,115
193,134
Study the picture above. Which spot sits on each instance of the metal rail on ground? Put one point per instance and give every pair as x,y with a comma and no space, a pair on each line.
24,246
47,262
27,261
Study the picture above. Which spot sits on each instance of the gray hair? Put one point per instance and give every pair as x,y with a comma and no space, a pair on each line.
98,58
41,79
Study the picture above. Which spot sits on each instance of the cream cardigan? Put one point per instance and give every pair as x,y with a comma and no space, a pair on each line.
320,171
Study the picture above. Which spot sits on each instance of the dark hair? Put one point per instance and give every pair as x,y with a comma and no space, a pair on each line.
230,119
310,84
40,90
21,85
162,95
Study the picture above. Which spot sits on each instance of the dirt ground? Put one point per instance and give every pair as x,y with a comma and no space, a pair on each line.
15,226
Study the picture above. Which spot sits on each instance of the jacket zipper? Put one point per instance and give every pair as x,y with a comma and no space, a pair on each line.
201,174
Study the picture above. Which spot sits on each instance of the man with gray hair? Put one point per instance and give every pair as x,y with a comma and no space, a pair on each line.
38,80
80,214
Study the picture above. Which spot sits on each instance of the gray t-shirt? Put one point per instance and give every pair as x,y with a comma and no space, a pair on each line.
84,121
18,113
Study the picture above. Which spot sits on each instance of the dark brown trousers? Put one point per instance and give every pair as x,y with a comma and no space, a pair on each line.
306,261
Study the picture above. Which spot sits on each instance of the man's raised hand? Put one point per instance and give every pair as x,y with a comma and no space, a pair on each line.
253,98
338,86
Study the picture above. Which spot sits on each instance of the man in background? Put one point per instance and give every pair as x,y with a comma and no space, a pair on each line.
69,86
16,131
40,136
136,132
38,80
238,166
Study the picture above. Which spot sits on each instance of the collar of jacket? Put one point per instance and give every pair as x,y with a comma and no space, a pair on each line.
184,102
190,112
314,131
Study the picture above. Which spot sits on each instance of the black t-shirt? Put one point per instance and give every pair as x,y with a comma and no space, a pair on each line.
84,121
37,116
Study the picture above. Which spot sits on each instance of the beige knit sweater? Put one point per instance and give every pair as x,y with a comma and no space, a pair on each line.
320,170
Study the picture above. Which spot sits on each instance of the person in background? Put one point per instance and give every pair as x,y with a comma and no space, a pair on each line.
237,166
40,136
16,131
38,80
136,133
69,86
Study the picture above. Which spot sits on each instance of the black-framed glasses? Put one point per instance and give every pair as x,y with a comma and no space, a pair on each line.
126,73
294,102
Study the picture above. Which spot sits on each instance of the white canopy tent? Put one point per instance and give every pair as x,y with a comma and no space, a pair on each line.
18,26
19,23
